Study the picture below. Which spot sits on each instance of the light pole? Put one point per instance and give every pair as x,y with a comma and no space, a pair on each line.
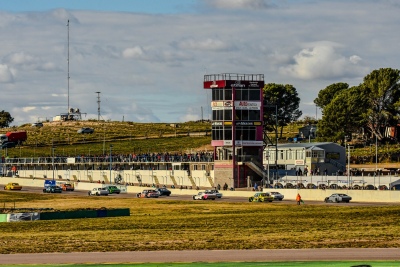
376,153
111,146
53,160
269,181
348,168
104,139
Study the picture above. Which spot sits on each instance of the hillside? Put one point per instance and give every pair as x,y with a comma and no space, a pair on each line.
125,137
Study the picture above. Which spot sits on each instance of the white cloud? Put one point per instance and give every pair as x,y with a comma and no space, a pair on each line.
6,74
323,61
134,52
21,58
206,45
28,109
238,4
355,59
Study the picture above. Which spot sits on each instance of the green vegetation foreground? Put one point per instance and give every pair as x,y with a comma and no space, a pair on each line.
190,225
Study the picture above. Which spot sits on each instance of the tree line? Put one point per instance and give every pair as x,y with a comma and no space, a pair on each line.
367,108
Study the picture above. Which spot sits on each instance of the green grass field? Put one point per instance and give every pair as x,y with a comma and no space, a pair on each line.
175,225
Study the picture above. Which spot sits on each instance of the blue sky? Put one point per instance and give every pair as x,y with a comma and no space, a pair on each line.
141,6
148,58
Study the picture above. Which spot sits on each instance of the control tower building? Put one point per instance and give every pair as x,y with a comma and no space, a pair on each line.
237,128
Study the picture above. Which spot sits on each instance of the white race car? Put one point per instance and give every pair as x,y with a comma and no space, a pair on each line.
204,196
99,191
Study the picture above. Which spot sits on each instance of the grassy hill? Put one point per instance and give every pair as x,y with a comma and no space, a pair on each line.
125,137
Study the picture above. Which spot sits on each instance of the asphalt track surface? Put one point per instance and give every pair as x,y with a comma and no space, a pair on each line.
182,196
268,255
339,254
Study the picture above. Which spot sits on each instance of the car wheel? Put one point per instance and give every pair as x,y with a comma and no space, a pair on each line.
89,193
336,200
347,201
203,198
250,199
281,199
97,194
326,200
194,198
138,195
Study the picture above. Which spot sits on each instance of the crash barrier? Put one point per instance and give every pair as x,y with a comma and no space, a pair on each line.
62,215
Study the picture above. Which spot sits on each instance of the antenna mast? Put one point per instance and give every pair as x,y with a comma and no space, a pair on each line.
68,65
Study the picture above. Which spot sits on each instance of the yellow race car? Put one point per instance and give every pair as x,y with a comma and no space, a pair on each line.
261,197
12,186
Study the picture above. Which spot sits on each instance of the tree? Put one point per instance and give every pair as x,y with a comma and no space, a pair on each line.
383,90
343,115
283,101
373,105
5,119
326,95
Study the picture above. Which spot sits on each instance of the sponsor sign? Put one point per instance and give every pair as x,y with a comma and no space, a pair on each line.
220,123
221,108
70,160
299,162
248,105
248,143
228,84
228,103
219,105
244,84
221,142
214,84
248,123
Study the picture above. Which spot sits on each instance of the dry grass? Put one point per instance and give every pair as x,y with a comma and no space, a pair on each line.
181,225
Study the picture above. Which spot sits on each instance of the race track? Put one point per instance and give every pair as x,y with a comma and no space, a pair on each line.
340,254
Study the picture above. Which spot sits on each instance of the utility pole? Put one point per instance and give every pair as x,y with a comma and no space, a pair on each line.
98,105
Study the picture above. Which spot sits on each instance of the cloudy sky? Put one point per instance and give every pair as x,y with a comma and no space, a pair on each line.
148,57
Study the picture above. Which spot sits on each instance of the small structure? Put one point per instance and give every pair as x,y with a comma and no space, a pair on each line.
74,114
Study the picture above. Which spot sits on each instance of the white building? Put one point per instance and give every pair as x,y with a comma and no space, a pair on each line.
319,158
